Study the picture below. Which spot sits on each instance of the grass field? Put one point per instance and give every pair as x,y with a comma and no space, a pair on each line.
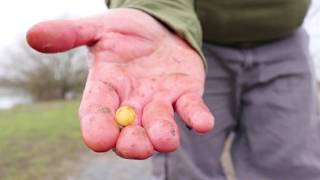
36,141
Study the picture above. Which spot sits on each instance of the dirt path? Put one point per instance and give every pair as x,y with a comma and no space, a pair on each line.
110,167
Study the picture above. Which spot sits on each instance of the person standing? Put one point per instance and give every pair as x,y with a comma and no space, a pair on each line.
249,59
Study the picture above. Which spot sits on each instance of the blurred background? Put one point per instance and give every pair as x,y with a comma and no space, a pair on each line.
39,97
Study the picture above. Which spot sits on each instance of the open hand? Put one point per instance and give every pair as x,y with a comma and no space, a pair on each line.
135,61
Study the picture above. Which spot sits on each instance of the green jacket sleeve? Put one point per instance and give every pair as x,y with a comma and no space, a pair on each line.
179,15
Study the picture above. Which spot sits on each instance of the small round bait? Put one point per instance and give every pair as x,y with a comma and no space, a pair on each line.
125,115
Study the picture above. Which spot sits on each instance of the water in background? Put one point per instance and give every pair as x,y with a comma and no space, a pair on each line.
9,99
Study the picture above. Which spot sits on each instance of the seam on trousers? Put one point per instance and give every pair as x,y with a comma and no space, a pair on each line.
166,167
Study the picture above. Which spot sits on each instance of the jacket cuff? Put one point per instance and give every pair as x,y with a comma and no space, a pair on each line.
178,15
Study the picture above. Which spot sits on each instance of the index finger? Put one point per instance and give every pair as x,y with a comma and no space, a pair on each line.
97,109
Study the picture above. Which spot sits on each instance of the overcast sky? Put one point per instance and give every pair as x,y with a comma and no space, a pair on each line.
312,24
16,16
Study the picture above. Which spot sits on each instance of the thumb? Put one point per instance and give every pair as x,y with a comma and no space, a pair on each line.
62,35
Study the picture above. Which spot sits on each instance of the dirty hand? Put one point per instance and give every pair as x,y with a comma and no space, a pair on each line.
137,62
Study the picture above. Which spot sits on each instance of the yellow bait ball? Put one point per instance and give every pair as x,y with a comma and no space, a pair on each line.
125,115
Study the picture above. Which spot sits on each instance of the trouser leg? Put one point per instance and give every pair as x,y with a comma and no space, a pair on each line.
279,134
198,158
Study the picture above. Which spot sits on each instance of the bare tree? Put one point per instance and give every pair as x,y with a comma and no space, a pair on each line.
44,77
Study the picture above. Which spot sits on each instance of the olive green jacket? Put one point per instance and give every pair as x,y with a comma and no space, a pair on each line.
224,22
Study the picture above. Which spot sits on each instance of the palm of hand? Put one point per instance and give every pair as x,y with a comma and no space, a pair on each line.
136,62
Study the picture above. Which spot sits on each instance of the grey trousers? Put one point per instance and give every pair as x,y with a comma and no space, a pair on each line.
267,96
